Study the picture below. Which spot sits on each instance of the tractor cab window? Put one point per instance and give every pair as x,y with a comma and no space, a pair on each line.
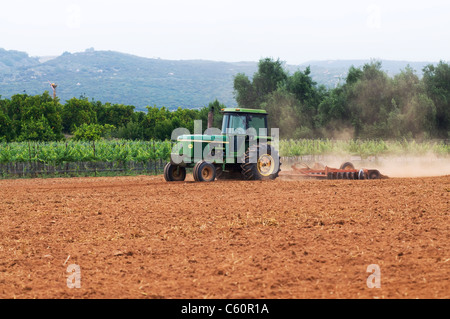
239,123
257,122
234,124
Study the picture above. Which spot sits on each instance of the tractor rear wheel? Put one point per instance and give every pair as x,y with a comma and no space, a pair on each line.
174,173
204,172
267,165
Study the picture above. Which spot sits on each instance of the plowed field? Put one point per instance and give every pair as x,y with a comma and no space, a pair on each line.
141,237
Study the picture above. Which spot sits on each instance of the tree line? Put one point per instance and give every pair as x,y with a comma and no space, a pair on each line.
369,104
42,118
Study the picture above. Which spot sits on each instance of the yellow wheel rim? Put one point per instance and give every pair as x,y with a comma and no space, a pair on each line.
266,165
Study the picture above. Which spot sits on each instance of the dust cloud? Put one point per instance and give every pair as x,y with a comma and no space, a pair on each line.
391,166
423,166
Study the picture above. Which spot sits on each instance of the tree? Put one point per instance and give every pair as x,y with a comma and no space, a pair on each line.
437,85
369,101
157,123
77,112
216,107
39,112
296,97
92,132
333,111
353,75
114,114
282,107
269,76
267,79
37,130
309,96
302,86
244,92
5,127
414,113
131,131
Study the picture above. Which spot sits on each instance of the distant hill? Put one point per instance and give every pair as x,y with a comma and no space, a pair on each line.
115,77
13,61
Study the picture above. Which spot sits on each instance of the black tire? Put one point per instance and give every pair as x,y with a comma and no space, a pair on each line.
374,174
204,172
267,166
174,173
347,165
194,171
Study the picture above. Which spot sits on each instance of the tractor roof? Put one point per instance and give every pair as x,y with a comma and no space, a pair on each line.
241,110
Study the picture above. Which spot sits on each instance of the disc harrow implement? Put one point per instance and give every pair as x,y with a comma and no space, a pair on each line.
319,171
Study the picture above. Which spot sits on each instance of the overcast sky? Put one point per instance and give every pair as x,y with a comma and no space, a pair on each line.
232,30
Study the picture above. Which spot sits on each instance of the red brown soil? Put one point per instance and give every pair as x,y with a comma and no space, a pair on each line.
141,237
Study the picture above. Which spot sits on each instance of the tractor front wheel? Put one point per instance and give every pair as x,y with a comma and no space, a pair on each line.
174,173
204,172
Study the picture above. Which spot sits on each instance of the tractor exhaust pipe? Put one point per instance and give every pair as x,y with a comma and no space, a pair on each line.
210,117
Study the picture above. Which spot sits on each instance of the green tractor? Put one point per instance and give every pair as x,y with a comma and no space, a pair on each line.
241,150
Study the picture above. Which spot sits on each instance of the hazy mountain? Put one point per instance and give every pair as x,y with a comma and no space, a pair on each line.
116,77
122,78
10,61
